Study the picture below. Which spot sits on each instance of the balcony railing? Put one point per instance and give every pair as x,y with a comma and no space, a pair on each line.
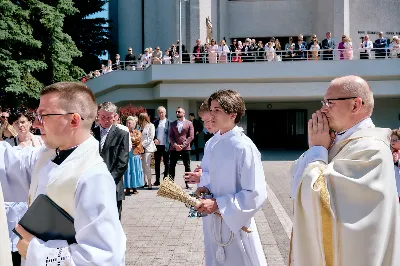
260,56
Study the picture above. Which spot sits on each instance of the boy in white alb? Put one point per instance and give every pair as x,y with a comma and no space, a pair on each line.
237,182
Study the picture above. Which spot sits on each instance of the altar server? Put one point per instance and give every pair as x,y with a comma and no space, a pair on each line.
344,191
71,172
237,183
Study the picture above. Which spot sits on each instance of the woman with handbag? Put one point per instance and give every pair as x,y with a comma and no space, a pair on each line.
133,177
148,132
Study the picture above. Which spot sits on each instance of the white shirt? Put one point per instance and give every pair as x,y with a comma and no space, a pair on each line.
180,125
161,131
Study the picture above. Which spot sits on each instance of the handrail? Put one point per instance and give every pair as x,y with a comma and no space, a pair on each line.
265,56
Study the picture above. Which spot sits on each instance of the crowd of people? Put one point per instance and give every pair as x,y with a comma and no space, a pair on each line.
252,50
343,187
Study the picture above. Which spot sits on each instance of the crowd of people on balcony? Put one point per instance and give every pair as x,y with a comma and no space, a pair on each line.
254,51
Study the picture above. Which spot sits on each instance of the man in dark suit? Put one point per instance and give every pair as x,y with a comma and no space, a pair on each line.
161,140
198,52
328,45
198,127
380,46
180,136
114,147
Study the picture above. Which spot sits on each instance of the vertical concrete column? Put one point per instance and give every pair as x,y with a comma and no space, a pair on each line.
223,17
129,26
341,20
113,16
173,104
194,21
205,8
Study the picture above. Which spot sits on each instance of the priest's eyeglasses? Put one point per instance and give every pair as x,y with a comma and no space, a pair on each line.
40,116
329,102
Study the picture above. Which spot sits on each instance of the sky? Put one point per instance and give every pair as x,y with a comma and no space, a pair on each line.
103,14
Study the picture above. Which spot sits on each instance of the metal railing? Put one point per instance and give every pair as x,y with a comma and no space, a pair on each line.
259,56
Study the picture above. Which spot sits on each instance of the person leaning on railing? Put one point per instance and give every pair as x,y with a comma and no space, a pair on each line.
366,46
395,47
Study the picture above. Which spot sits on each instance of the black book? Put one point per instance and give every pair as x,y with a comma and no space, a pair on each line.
47,221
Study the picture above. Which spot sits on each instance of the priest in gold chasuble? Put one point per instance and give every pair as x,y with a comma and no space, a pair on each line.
343,188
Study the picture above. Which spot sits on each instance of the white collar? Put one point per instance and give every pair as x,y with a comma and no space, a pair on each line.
228,133
366,123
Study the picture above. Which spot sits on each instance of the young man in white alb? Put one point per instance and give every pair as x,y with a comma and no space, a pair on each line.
71,172
237,182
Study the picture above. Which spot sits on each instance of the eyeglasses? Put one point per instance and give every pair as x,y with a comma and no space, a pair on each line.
4,117
394,140
328,102
40,116
178,112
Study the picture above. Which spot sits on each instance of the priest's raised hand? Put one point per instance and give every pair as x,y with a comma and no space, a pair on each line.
318,131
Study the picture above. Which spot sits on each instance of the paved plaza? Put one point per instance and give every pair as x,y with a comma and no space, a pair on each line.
160,233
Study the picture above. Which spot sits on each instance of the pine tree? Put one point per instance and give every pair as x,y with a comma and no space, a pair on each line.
91,35
58,48
34,50
17,68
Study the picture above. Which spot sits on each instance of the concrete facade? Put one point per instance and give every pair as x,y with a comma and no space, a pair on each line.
150,23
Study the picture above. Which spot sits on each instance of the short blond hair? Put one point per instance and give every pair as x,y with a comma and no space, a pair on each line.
132,118
204,108
396,132
75,97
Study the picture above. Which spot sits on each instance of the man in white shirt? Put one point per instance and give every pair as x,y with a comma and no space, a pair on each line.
70,171
162,143
237,184
344,191
366,47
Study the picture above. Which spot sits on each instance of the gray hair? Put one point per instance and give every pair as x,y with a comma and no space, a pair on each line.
161,108
109,107
355,86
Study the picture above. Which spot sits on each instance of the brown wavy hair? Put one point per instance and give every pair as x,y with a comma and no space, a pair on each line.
144,119
16,113
231,102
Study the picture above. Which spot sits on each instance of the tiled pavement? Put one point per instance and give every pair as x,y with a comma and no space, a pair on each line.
159,232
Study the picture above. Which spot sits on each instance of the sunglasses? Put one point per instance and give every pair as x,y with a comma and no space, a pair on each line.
4,116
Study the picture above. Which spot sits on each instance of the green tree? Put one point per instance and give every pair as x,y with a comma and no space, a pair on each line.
91,35
34,49
17,68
